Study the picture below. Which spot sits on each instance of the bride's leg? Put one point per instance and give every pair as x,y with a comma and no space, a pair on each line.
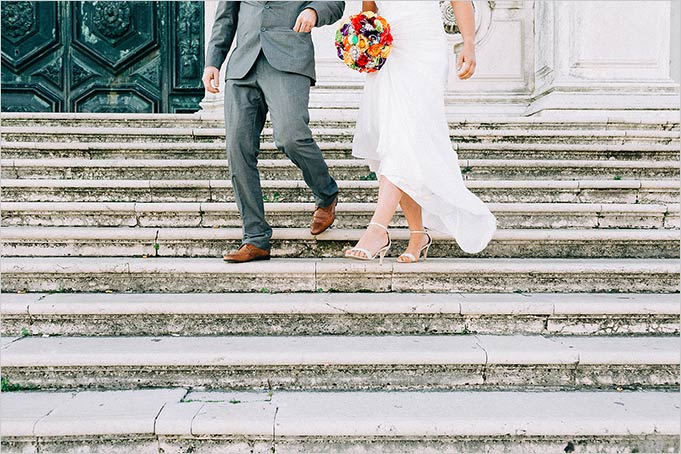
412,212
374,238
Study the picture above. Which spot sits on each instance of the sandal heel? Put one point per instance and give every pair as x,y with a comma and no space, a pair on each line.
382,254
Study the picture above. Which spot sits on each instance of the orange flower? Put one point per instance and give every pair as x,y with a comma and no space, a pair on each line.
374,50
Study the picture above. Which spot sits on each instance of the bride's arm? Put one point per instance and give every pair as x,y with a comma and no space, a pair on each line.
369,6
465,19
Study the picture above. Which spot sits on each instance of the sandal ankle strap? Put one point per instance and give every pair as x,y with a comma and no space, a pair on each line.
379,225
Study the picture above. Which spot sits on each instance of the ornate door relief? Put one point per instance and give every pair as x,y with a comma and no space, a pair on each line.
102,56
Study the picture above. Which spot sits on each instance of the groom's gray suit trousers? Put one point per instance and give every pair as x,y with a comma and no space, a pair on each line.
247,101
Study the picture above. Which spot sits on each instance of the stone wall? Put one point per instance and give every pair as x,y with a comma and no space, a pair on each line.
544,57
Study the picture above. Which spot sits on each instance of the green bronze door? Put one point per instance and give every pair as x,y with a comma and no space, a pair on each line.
103,56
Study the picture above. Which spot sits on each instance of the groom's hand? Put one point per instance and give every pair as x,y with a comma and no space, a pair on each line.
306,21
211,79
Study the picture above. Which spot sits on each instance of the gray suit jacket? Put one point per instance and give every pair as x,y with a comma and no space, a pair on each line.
266,25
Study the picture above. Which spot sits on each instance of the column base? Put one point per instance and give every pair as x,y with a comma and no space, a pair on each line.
621,99
212,105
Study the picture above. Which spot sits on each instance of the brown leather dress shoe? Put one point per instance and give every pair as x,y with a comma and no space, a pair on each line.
247,253
323,218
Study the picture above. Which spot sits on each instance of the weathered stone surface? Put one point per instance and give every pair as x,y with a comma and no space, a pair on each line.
346,116
342,275
353,422
337,150
343,362
490,191
350,314
110,413
350,215
19,419
602,189
464,132
534,276
341,169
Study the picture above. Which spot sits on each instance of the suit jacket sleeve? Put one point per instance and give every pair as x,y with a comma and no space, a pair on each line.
224,30
327,12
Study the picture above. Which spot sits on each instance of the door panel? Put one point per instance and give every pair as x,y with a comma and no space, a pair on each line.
101,56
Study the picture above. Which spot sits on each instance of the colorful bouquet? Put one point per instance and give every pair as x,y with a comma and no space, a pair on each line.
363,42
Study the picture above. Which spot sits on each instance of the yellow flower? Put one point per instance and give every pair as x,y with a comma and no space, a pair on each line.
363,43
347,58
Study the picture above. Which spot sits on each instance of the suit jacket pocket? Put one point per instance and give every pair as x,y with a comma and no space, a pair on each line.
289,51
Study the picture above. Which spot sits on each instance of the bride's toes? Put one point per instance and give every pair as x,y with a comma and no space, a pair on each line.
406,256
353,253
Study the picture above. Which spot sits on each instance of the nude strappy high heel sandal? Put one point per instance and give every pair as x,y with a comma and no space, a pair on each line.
408,257
367,254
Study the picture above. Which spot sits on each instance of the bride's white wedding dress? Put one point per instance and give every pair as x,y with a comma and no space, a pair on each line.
402,130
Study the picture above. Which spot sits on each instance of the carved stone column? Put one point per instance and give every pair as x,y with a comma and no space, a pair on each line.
604,57
212,104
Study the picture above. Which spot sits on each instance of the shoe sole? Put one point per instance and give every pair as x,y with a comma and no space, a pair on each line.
257,259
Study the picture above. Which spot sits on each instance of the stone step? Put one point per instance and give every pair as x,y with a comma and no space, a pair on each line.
331,150
341,169
299,243
340,117
201,314
343,362
230,421
173,275
349,215
342,134
173,191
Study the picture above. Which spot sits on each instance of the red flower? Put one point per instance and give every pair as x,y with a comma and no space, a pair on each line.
362,60
357,22
386,38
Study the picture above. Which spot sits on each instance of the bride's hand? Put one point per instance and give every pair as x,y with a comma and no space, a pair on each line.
465,63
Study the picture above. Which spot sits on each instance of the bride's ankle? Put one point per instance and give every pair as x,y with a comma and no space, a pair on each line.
373,233
418,239
378,233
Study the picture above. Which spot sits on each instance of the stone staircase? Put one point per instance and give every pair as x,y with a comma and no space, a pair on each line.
123,331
